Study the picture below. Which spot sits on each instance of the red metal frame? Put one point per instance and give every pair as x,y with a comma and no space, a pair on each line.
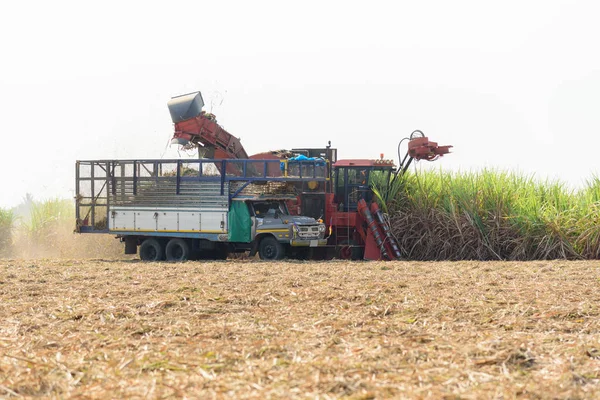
204,130
422,149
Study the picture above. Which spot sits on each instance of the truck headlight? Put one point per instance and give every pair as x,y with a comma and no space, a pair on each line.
322,228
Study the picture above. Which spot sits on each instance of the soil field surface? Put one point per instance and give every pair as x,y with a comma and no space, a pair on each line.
245,329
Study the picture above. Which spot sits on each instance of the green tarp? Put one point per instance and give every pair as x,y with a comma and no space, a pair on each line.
240,224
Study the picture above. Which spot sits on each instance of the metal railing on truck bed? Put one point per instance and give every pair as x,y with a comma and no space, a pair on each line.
101,184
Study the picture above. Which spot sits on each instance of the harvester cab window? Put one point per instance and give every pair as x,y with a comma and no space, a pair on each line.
352,184
350,175
358,176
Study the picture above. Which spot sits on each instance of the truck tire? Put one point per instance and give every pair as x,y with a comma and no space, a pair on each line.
151,250
177,250
270,249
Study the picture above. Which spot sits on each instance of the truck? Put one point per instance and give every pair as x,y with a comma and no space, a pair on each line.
197,209
302,203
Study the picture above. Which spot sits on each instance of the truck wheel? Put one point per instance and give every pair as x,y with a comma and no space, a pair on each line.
270,249
151,250
177,250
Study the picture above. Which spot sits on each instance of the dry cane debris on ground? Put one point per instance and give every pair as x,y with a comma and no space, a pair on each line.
468,330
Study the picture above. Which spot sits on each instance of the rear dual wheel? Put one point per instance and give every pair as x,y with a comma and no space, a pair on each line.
176,250
151,250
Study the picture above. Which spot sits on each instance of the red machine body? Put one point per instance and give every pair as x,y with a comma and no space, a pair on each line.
203,130
358,228
420,148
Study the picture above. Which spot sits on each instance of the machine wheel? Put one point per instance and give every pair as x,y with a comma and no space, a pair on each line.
151,250
349,251
177,250
270,249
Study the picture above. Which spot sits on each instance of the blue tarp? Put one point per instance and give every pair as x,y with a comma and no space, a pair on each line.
318,160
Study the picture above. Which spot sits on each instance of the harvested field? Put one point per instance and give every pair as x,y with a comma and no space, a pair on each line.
245,329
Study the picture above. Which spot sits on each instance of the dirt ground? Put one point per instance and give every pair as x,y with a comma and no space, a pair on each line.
245,329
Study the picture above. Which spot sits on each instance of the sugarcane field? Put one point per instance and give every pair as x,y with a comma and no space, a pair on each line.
316,200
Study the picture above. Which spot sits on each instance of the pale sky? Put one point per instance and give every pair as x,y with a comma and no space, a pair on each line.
513,85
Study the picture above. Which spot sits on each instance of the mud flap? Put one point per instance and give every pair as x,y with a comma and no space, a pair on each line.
254,248
130,245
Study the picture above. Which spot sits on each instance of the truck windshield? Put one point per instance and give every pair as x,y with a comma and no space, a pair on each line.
269,208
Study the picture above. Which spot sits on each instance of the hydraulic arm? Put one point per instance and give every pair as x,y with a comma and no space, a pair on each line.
197,128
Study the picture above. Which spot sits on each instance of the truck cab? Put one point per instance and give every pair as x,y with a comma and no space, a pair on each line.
276,233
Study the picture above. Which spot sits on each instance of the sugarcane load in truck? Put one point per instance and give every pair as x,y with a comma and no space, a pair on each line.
302,203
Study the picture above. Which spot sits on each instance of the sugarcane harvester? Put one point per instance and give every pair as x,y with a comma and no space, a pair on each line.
344,201
358,227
